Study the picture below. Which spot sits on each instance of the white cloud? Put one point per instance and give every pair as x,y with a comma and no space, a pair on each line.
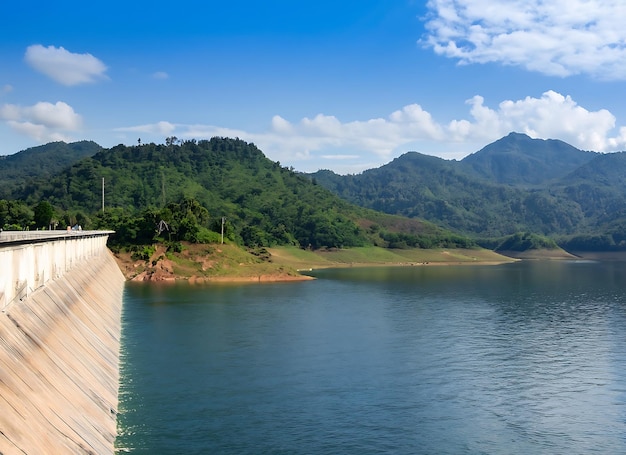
6,89
556,37
161,128
43,121
39,132
360,144
59,115
280,125
550,116
340,157
63,66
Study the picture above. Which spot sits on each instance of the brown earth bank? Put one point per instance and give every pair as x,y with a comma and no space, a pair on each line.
229,263
204,263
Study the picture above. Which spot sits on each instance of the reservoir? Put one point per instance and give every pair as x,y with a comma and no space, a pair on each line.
528,357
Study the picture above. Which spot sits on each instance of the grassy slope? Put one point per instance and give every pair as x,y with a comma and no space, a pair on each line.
540,254
199,263
364,256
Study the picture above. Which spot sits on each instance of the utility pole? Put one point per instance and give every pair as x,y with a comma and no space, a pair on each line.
163,199
223,219
102,194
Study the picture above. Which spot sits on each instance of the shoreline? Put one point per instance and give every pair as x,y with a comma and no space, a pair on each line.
204,264
281,277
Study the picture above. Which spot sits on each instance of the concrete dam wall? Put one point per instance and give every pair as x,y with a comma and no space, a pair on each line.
61,301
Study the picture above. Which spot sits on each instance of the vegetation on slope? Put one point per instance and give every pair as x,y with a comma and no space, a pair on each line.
41,163
516,184
443,192
521,161
198,188
200,262
524,241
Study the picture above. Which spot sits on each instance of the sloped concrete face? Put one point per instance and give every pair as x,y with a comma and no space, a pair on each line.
59,358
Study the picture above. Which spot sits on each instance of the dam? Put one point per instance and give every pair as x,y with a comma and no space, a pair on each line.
60,321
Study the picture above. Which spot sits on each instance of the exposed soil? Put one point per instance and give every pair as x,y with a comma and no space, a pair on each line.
228,263
202,264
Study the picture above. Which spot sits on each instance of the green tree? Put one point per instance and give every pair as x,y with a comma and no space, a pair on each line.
43,213
15,215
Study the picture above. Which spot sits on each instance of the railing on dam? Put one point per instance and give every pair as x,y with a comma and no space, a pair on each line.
29,259
18,237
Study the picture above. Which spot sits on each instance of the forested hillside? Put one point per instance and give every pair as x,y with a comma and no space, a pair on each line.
41,162
521,161
416,185
196,187
517,184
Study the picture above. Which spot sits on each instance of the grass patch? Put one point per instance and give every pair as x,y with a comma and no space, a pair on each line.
231,263
301,259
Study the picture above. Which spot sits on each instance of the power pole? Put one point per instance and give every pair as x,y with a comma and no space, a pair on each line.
163,199
102,194
223,219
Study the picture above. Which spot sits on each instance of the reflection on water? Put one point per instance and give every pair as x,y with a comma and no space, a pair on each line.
520,358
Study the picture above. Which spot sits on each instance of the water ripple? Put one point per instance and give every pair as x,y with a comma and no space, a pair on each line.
523,359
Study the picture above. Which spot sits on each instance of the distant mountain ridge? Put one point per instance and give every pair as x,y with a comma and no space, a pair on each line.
202,184
519,160
41,162
514,184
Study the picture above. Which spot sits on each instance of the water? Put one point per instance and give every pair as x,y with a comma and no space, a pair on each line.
514,359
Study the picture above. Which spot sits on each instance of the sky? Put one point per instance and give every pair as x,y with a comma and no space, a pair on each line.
345,85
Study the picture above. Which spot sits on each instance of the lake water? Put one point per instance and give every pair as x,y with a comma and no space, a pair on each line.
523,358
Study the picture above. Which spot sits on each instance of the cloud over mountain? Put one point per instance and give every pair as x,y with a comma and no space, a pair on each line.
43,121
372,142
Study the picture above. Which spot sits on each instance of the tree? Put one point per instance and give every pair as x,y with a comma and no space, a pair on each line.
43,213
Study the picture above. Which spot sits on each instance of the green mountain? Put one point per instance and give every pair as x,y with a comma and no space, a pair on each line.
598,190
521,161
41,162
196,186
515,184
422,186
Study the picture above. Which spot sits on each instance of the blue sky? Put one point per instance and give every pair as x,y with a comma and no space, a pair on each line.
341,85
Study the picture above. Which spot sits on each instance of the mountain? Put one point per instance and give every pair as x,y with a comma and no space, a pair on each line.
576,197
598,188
193,185
519,160
41,162
514,184
422,186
